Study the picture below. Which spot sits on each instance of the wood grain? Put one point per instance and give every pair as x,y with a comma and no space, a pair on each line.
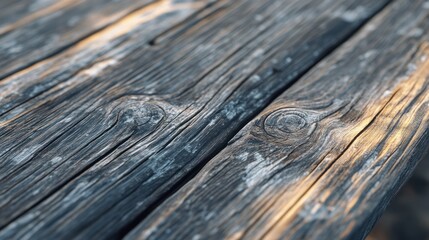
324,159
46,27
23,94
93,153
100,50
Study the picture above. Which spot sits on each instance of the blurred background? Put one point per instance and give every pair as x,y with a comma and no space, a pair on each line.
407,217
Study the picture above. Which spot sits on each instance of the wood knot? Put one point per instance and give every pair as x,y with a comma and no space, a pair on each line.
292,126
288,124
284,122
140,116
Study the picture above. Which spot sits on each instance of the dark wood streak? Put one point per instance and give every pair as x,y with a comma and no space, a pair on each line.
324,159
106,173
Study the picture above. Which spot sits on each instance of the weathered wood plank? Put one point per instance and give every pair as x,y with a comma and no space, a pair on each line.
48,27
96,153
37,85
114,43
324,159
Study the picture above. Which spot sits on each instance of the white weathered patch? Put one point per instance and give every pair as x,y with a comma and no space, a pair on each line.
25,154
345,79
35,192
415,32
255,78
39,4
67,120
259,157
37,89
230,114
190,149
243,156
56,160
274,61
77,193
258,52
371,27
73,21
353,14
196,237
317,211
259,17
426,5
11,47
263,26
369,54
411,68
203,47
387,93
256,94
98,68
209,216
212,122
15,49
257,170
129,119
26,219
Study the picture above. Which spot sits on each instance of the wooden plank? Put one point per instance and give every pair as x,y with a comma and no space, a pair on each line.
95,154
116,42
324,159
48,27
22,94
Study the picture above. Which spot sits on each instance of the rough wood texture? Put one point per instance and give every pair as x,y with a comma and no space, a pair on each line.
90,149
46,27
92,55
28,99
323,160
99,129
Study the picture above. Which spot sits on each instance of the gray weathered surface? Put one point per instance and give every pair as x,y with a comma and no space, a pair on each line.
324,159
26,96
99,134
46,27
94,149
